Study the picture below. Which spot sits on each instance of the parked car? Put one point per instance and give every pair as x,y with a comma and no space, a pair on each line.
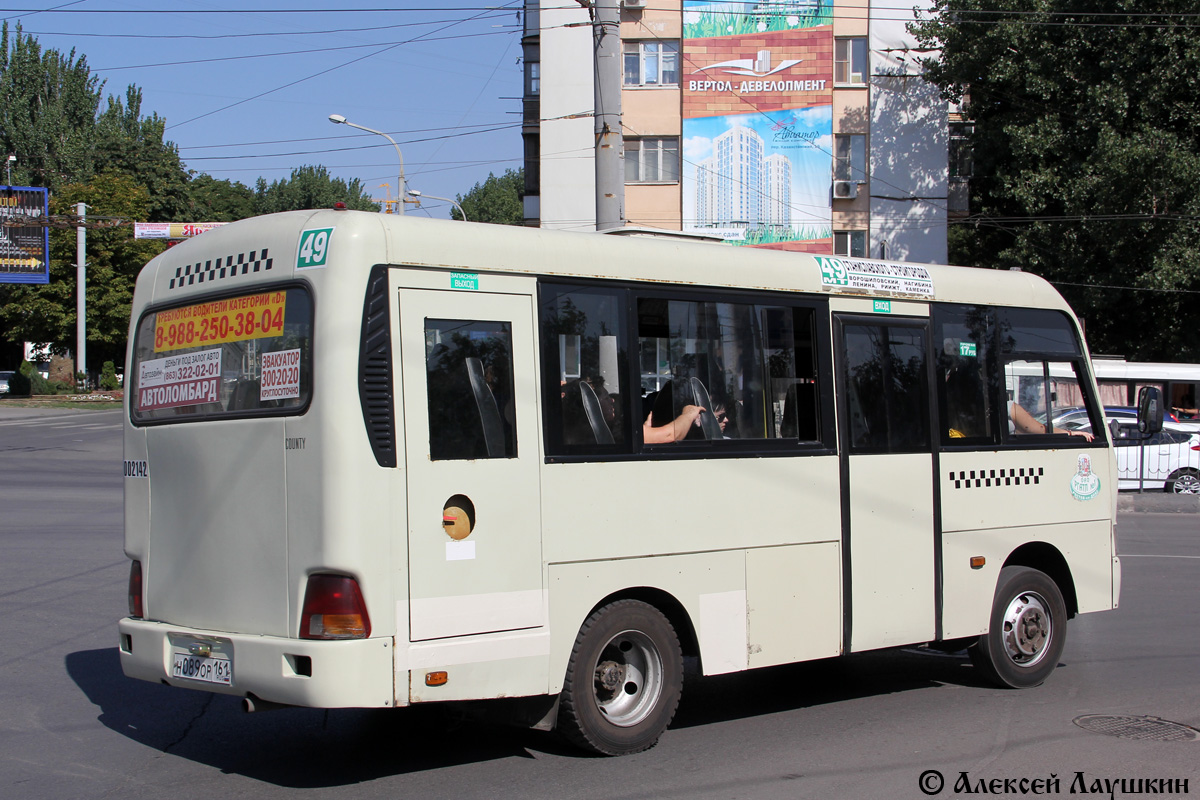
1076,417
5,375
1172,455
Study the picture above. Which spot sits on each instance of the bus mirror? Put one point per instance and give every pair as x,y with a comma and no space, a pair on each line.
1150,410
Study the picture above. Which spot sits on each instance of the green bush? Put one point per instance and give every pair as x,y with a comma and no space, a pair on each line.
108,377
37,384
18,384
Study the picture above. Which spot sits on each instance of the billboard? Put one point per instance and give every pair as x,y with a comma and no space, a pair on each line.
172,230
758,122
24,237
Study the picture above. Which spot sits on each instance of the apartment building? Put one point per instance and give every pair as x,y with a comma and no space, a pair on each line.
793,124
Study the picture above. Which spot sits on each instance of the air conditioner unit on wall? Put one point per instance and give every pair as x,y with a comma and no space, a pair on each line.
845,190
634,4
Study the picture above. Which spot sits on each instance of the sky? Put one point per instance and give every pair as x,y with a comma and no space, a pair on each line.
247,86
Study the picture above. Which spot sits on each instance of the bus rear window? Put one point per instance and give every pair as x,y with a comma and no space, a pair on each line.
244,355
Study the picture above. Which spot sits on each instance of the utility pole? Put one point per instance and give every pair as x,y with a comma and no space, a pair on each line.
81,283
610,156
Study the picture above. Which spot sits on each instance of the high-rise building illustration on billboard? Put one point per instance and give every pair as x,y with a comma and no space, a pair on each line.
758,122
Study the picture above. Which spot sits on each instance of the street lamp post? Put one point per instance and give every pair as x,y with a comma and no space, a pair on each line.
419,195
8,165
338,119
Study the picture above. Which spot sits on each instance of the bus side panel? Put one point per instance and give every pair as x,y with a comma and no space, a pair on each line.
646,508
995,501
711,587
1082,544
794,603
990,489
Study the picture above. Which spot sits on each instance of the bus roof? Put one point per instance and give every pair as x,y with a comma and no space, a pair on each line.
272,243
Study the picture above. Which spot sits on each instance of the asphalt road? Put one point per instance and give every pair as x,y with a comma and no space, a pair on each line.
869,726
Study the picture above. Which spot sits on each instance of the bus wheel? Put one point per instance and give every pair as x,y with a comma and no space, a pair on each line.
623,680
1027,630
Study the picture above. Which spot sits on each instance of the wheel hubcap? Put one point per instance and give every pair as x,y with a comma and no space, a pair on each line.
1028,629
1187,484
628,678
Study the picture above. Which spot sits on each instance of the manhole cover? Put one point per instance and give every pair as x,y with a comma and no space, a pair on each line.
1146,729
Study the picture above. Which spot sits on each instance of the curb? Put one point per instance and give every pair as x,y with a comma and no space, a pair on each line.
1158,502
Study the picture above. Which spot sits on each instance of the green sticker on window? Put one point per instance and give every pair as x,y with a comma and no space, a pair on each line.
883,306
464,280
966,349
314,248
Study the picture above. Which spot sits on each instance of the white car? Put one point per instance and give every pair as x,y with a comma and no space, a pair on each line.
1172,456
5,375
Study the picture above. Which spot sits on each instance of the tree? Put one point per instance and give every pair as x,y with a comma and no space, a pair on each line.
129,143
497,200
48,105
310,187
1086,157
213,200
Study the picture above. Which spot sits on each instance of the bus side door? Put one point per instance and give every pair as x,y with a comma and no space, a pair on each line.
888,528
472,454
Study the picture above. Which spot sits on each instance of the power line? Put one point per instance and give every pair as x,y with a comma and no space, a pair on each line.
230,11
508,126
331,138
304,52
218,36
323,72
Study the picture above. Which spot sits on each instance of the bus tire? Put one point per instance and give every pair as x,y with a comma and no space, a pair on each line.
1027,630
623,680
1184,481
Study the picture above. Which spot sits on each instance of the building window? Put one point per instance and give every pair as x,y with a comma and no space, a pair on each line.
960,149
533,77
850,243
653,63
850,157
652,160
850,61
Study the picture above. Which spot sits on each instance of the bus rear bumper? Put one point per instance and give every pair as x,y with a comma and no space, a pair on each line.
300,672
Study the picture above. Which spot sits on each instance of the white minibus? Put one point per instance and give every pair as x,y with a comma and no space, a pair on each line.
379,461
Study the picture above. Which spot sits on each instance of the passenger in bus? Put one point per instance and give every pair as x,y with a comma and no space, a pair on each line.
1021,421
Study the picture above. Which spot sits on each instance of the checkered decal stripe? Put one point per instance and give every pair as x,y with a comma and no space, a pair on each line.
217,269
977,478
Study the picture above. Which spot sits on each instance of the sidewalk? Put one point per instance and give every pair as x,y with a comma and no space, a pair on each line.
13,412
1159,502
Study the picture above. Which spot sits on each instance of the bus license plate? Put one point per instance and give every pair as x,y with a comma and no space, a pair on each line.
203,668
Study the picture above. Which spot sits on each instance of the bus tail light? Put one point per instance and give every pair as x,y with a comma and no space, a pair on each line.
334,609
135,590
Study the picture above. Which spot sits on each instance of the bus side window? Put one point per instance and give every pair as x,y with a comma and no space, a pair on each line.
887,390
752,368
1044,391
965,383
470,389
585,369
